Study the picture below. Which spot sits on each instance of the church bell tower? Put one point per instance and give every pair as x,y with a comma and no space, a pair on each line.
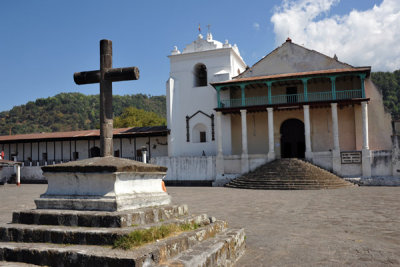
191,99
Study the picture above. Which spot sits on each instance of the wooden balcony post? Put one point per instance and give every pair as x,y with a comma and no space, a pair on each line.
333,81
218,96
242,86
269,84
305,89
362,78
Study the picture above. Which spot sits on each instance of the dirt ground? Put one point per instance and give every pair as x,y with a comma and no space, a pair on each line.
357,226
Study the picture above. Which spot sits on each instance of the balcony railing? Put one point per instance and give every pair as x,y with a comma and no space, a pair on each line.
290,98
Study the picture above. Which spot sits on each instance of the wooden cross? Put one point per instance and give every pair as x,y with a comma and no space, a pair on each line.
105,76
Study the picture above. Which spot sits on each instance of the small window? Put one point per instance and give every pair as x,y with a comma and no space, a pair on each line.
200,75
139,153
44,156
116,153
203,137
199,133
75,155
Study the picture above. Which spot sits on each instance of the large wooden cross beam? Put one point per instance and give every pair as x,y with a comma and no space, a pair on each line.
105,76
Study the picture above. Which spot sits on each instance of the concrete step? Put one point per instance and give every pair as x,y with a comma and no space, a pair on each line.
288,174
286,187
293,181
152,254
99,218
16,264
223,250
81,235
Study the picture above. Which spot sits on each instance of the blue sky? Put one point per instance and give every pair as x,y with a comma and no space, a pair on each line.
44,42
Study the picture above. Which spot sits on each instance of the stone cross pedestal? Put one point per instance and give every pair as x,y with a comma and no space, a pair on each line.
105,76
103,184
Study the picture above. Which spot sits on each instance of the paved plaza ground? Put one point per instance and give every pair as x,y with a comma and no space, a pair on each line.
357,226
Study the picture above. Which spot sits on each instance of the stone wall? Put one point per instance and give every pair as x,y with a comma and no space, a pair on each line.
381,163
28,174
187,168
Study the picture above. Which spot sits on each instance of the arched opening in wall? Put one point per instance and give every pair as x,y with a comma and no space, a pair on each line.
199,133
292,139
200,75
94,152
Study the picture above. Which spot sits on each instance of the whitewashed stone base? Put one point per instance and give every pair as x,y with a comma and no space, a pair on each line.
115,191
376,181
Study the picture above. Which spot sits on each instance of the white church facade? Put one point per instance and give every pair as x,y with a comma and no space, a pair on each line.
225,119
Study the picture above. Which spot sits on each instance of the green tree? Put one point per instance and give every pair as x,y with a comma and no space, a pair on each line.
133,117
388,84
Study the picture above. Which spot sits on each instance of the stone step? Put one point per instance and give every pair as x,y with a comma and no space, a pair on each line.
287,174
322,181
275,181
287,187
152,254
285,184
223,250
16,264
100,218
81,235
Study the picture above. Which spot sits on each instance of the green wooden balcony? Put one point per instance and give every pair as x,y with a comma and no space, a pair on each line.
290,98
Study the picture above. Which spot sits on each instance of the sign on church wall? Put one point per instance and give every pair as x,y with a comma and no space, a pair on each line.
351,157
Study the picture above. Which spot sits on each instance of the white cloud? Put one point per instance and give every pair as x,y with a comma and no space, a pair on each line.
256,26
360,38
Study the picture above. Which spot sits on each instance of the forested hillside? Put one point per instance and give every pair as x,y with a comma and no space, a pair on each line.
72,111
389,84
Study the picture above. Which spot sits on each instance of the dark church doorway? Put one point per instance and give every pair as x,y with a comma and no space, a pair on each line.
95,152
292,139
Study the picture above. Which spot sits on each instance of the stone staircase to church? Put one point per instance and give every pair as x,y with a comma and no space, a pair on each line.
289,174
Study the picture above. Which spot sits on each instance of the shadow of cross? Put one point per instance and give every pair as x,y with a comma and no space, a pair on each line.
105,76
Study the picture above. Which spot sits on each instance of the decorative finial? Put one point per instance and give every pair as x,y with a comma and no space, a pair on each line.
335,57
209,35
226,44
289,40
199,28
175,51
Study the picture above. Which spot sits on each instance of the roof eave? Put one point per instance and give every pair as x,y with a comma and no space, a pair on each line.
366,69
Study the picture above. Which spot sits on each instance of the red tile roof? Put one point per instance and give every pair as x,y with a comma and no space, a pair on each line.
84,134
296,74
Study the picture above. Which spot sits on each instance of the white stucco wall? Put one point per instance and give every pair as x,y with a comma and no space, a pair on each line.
188,168
185,99
28,174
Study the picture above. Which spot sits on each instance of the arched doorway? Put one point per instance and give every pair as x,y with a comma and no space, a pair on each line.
95,152
292,139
